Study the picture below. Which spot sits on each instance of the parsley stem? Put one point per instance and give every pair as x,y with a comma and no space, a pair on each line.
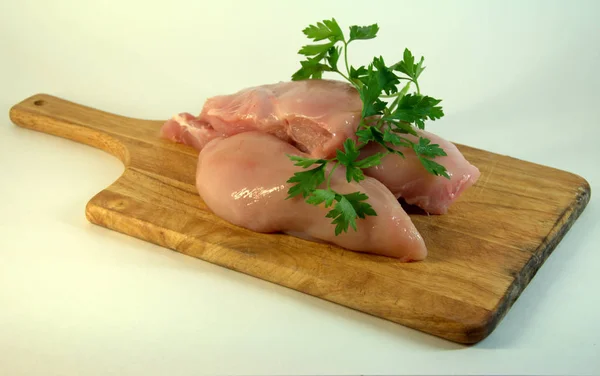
347,79
402,92
347,68
395,103
399,96
331,173
346,58
362,124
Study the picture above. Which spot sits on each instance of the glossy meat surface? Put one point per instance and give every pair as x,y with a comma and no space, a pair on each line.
407,178
242,179
316,116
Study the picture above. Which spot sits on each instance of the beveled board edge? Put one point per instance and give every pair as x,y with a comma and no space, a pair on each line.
539,256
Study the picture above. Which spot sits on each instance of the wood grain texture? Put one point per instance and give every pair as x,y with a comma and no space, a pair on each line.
482,254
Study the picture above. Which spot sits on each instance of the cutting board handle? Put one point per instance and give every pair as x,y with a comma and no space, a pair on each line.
59,117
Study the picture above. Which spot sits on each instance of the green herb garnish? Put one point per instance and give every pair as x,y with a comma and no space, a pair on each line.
389,112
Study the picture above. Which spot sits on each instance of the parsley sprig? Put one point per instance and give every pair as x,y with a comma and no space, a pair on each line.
389,113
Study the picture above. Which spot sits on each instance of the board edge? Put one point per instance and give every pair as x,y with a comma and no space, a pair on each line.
539,256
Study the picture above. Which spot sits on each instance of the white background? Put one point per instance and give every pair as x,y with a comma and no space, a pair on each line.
517,78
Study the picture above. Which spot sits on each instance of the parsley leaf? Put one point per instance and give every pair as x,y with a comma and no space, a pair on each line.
387,80
362,209
311,68
306,182
358,75
322,195
415,108
349,154
347,209
370,134
408,66
393,139
427,149
363,32
369,94
365,135
402,127
434,167
348,158
370,161
354,167
343,215
333,55
315,49
328,29
304,162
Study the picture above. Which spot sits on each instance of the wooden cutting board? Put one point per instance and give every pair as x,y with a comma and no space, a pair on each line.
482,254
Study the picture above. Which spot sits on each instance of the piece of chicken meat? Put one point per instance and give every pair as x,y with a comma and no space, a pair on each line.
407,178
316,116
242,179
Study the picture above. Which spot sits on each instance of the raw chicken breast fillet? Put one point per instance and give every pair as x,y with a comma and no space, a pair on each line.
242,179
316,116
407,178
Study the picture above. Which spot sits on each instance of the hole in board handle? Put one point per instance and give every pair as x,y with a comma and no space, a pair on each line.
39,102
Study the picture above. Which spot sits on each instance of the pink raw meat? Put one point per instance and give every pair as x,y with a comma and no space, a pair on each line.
242,179
316,116
407,178
189,130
